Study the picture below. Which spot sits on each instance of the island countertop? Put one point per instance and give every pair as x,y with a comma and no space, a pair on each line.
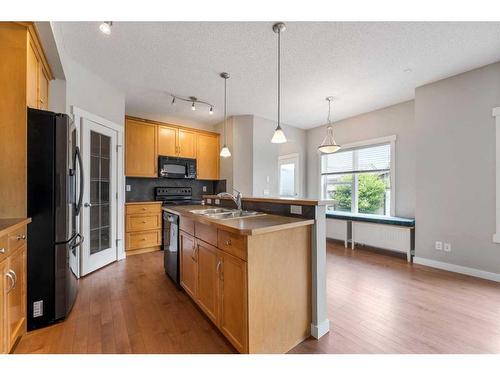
281,200
250,225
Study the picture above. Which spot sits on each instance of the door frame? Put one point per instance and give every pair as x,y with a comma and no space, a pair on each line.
78,116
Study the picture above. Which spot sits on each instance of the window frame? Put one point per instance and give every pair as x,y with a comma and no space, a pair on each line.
391,139
296,158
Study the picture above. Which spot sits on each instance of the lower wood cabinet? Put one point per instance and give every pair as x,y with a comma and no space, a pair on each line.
143,222
233,300
189,264
13,293
209,266
217,282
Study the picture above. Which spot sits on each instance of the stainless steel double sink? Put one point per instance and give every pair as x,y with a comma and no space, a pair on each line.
226,213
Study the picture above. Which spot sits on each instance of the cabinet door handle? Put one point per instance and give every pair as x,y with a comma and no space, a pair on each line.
21,237
2,250
218,268
227,243
144,222
12,281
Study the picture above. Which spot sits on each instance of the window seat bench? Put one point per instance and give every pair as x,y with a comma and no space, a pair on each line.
385,232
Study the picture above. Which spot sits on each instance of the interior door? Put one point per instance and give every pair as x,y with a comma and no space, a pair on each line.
289,175
99,212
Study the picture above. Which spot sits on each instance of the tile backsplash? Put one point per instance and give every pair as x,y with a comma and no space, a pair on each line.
142,189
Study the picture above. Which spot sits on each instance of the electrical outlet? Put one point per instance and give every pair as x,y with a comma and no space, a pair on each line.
204,189
209,201
439,245
128,187
217,202
296,210
447,247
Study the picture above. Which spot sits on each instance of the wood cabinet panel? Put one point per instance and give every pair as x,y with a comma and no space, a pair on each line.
3,310
17,238
43,89
141,240
140,149
187,225
233,320
32,75
207,156
147,208
232,243
189,264
167,141
186,141
143,222
206,232
208,279
16,296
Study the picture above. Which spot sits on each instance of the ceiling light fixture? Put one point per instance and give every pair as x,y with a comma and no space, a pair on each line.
279,135
329,146
194,101
105,27
224,152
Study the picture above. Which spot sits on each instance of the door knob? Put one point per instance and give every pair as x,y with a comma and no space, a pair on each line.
88,204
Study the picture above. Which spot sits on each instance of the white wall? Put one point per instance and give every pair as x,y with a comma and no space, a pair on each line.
394,120
86,90
455,169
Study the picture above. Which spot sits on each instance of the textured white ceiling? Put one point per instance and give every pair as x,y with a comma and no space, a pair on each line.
361,64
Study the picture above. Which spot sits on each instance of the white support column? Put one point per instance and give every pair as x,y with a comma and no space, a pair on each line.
320,324
496,114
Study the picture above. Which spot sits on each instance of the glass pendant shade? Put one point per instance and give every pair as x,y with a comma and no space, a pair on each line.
225,153
278,136
329,146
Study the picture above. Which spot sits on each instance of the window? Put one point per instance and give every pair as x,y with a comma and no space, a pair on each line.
358,178
289,175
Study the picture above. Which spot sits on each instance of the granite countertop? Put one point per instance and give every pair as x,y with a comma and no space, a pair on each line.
7,225
369,218
252,225
297,201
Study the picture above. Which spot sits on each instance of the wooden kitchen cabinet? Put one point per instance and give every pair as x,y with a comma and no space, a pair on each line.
143,222
24,78
16,296
209,266
3,302
189,264
233,300
207,156
177,142
140,149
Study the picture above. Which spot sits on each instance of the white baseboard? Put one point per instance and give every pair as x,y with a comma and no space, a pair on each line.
458,269
317,331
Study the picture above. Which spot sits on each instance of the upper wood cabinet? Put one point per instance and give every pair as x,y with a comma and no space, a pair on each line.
171,140
207,156
176,142
140,149
24,78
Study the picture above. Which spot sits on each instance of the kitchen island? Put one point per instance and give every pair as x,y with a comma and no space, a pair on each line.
251,276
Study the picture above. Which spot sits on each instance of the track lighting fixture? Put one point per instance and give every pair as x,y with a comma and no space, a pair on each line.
194,101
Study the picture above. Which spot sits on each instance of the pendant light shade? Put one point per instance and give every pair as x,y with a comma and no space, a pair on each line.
329,146
279,134
224,152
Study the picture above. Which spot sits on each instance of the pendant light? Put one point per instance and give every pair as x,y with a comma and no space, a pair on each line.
279,135
224,152
329,146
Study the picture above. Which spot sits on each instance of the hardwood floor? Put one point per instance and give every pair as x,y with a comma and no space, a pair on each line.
376,304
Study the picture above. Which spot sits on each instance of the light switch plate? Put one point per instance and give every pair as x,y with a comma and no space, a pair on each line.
128,187
439,245
217,201
209,201
297,210
204,189
447,247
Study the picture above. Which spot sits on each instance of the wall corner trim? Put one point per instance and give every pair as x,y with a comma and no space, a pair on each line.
458,269
496,114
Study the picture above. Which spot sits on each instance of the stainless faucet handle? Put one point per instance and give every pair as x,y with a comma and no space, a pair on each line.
237,192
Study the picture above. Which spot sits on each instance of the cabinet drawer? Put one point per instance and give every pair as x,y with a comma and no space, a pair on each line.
4,248
143,222
186,225
232,243
141,240
143,209
17,238
206,233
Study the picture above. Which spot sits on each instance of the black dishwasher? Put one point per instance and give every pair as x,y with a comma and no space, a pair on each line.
171,246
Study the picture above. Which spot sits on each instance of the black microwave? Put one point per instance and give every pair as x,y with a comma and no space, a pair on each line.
172,167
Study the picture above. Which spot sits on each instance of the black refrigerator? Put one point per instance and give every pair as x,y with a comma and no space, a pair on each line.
54,202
